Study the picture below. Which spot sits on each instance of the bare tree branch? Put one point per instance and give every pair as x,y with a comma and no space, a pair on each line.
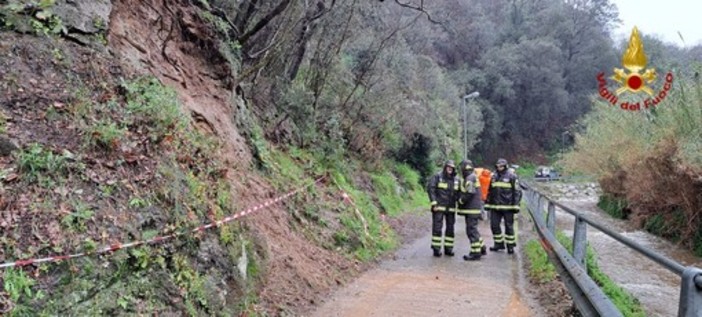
264,21
366,70
419,7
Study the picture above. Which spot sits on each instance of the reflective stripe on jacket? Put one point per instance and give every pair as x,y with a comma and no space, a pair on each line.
504,192
442,190
470,200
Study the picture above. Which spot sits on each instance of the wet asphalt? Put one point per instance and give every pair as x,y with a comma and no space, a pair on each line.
414,283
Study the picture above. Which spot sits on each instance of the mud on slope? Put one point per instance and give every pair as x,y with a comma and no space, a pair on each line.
171,41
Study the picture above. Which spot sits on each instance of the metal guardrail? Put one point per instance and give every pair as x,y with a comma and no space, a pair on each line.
588,297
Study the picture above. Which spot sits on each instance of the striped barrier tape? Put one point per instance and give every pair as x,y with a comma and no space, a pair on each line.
119,246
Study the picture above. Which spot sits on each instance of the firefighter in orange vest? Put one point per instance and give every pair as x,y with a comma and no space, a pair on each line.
484,176
442,189
504,197
469,205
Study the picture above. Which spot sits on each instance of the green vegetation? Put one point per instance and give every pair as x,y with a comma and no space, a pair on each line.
3,122
338,103
678,120
627,304
106,134
663,157
390,198
398,193
540,268
154,107
613,206
18,287
526,170
364,233
188,188
41,20
76,219
413,192
543,271
36,162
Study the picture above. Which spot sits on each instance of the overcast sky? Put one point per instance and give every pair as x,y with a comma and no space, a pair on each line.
663,19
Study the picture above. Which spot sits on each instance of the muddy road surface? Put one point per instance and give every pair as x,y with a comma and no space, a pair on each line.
414,283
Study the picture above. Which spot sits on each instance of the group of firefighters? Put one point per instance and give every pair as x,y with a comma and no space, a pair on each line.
468,192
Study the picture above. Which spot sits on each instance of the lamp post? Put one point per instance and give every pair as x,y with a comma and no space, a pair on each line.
472,95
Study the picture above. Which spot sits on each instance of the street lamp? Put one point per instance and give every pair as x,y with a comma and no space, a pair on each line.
472,95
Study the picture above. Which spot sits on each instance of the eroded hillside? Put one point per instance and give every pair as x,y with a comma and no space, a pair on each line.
134,127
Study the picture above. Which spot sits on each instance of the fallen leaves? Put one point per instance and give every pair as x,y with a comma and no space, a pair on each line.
9,177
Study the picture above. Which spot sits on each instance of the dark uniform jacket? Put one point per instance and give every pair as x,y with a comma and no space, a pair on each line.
504,192
442,190
469,201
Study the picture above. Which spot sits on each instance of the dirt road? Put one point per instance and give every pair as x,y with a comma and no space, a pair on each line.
415,283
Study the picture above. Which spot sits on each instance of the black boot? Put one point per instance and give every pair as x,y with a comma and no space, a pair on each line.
498,247
437,252
483,250
510,249
472,257
448,251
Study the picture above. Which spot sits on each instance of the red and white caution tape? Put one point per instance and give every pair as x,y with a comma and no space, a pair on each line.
119,246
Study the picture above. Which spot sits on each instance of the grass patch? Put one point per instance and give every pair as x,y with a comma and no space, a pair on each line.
627,304
386,189
526,170
36,162
398,189
18,286
77,219
288,171
613,206
540,267
192,282
155,107
364,234
105,134
414,193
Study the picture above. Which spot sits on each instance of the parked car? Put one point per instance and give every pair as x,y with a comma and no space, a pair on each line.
546,173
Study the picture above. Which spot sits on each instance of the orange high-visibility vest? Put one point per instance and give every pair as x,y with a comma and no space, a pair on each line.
484,178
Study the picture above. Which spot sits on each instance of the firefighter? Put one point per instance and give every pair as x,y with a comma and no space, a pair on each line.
442,189
484,176
504,196
469,205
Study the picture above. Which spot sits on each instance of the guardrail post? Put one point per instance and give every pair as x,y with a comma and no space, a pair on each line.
580,241
691,293
534,201
539,205
551,218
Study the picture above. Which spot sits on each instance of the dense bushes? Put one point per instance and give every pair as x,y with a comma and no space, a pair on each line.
649,162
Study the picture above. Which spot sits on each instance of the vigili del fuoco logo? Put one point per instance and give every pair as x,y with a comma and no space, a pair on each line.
635,78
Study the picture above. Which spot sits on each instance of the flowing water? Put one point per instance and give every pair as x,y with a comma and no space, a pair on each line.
657,288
